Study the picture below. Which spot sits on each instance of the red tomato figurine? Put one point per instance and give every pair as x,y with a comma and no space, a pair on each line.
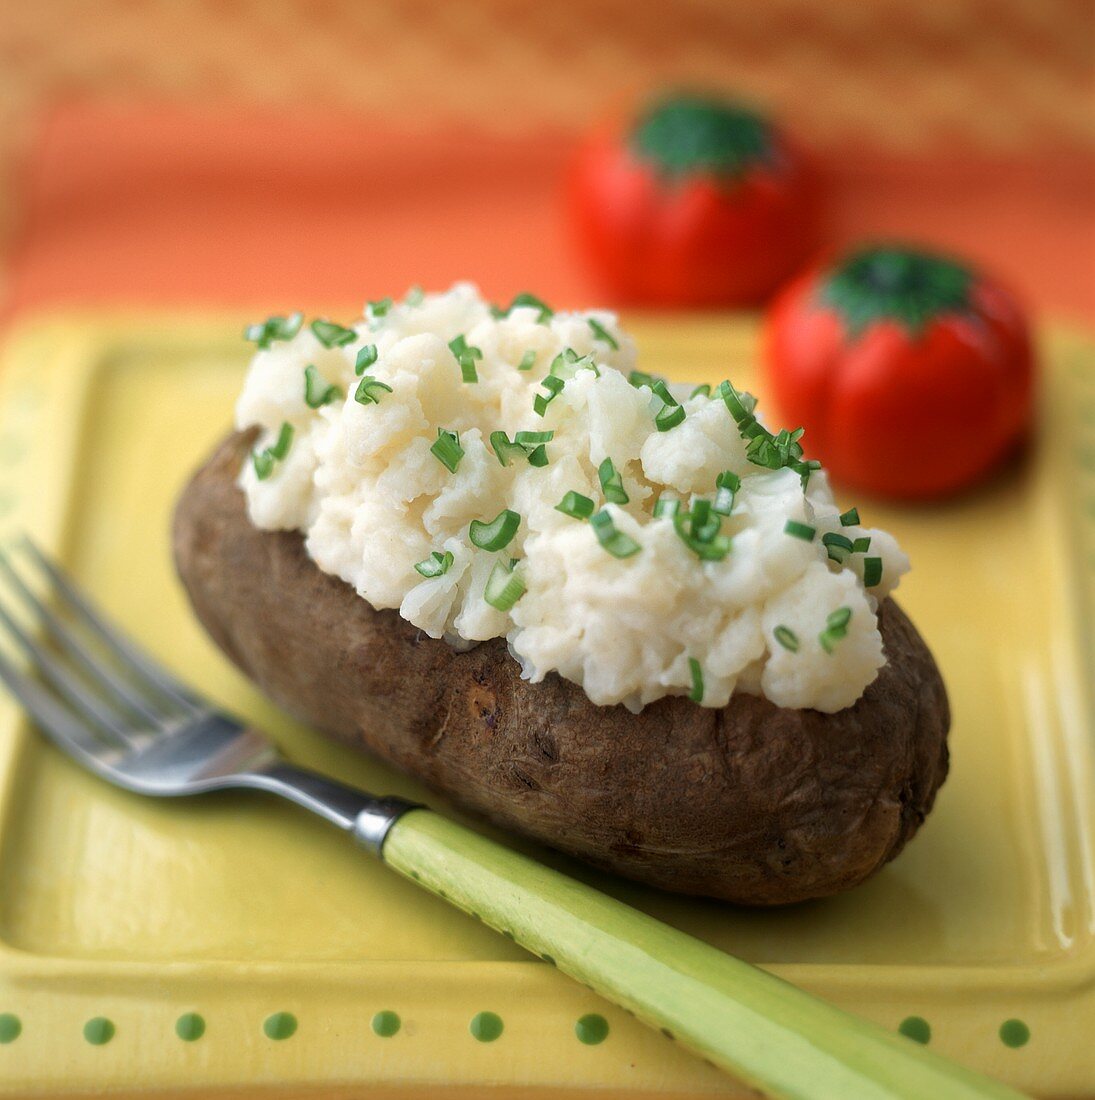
700,203
912,373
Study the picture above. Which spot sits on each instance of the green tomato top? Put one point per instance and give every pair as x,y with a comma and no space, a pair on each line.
882,282
688,134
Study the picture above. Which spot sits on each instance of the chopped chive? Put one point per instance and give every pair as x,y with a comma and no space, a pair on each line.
554,386
872,572
639,378
466,356
538,456
527,299
696,694
504,448
740,405
786,638
849,518
415,296
436,565
505,586
265,460
497,534
575,505
774,452
612,483
699,531
380,308
800,530
726,486
666,506
841,541
701,391
601,333
447,450
618,544
316,392
332,335
861,545
671,412
274,328
568,362
530,439
369,389
366,357
836,627
528,360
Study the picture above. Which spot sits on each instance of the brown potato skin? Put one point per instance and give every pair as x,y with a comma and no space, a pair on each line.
751,803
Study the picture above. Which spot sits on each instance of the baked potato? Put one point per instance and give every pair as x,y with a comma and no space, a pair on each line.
751,802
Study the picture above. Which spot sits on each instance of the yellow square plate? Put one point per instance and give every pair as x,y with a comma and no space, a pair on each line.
239,908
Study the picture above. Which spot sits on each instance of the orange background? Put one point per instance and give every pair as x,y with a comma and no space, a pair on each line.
276,155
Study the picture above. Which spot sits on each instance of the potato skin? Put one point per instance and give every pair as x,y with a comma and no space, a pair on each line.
751,803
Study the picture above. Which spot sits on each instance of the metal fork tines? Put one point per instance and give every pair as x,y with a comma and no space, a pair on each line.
107,703
107,694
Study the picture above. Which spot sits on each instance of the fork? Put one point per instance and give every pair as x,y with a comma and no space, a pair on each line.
106,703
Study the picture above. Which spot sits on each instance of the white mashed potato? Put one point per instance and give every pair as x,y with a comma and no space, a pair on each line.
629,605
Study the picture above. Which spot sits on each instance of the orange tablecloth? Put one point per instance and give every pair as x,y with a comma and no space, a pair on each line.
169,205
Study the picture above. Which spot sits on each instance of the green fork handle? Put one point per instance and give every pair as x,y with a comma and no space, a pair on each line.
756,1026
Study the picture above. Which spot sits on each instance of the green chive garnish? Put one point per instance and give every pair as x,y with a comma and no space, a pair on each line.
380,308
504,449
701,391
332,335
526,299
698,529
436,565
800,530
318,393
529,444
369,390
274,328
850,518
786,638
505,586
836,627
666,506
671,413
696,694
872,572
568,362
366,357
601,333
266,459
726,485
575,505
415,296
639,378
615,542
497,534
554,386
773,452
612,483
861,545
528,360
466,356
447,450
831,540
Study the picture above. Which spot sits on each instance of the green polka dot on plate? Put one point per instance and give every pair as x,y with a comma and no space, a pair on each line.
486,1026
386,1024
281,1025
189,1027
916,1028
1014,1033
98,1031
11,1027
591,1029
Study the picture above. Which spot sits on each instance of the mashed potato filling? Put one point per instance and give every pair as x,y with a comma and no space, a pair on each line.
509,473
